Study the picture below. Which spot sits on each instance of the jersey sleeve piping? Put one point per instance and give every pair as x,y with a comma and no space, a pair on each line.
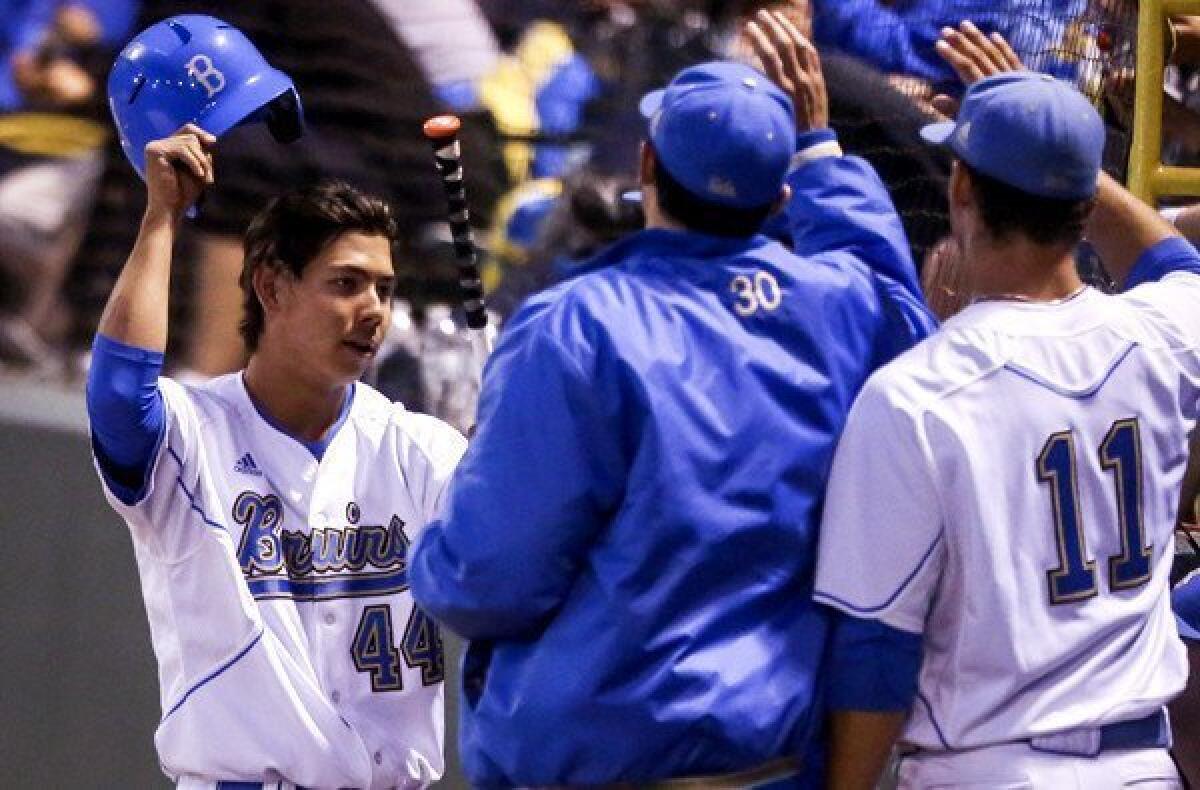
191,497
213,675
937,728
847,606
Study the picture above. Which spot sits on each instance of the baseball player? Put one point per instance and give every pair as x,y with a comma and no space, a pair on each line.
272,510
998,529
628,543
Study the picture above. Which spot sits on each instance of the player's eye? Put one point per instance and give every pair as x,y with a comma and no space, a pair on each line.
344,284
386,291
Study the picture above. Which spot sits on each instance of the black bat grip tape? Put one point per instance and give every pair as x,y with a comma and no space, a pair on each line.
470,285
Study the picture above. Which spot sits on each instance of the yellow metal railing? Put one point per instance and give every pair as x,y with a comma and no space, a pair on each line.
1149,178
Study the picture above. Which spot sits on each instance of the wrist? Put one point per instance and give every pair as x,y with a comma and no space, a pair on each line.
814,144
160,217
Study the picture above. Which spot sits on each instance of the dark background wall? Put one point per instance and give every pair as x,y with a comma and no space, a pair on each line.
78,682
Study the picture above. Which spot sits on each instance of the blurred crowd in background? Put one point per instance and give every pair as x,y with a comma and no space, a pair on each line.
548,95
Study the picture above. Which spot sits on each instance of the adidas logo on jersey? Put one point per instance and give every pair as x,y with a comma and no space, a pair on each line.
246,466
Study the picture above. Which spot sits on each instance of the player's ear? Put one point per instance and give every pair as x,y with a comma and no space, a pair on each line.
267,287
960,186
646,164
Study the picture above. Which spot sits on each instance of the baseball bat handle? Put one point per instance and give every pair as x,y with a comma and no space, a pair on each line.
442,133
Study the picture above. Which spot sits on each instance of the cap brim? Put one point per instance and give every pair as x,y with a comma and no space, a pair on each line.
937,133
651,103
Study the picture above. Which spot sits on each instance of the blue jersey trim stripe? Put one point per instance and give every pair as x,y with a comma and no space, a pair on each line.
190,496
318,589
1029,375
214,674
824,597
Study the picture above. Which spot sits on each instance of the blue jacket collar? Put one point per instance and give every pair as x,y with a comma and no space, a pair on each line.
667,243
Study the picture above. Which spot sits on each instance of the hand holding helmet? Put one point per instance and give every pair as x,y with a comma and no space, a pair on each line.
178,168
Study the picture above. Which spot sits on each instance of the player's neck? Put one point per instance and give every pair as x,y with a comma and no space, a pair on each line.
1020,270
302,406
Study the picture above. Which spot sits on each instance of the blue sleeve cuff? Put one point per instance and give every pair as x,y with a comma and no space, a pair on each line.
813,145
127,415
1185,601
815,137
1172,254
872,666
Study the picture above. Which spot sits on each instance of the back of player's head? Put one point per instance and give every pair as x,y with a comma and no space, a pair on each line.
291,231
723,136
1033,147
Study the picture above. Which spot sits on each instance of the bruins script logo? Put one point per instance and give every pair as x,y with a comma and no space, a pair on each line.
353,562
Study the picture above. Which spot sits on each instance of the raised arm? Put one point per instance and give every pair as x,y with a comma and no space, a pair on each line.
125,405
837,204
177,170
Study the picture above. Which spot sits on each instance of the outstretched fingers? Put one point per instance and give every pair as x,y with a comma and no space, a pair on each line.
974,55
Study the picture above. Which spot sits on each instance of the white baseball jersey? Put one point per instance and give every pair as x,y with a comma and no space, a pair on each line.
277,592
1008,489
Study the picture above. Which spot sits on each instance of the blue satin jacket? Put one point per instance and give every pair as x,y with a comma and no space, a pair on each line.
629,543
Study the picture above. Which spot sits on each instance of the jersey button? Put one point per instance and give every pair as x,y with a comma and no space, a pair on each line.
336,697
379,758
330,619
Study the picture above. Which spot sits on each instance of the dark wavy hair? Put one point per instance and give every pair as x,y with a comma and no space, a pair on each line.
292,229
1008,210
702,216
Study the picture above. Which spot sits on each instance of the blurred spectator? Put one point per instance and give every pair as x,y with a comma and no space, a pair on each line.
899,38
536,96
550,229
453,43
53,55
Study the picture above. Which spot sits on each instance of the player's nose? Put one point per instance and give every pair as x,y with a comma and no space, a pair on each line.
374,307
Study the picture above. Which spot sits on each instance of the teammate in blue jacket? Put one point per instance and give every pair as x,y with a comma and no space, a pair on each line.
629,541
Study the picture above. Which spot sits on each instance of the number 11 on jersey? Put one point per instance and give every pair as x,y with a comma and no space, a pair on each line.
1121,454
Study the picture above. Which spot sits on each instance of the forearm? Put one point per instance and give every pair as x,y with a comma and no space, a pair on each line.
1122,227
136,312
839,204
860,743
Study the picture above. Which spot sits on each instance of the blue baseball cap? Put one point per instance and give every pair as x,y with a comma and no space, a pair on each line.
1030,131
725,132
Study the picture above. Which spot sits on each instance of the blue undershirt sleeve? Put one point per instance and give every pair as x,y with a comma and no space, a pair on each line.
872,666
1185,601
1172,254
125,408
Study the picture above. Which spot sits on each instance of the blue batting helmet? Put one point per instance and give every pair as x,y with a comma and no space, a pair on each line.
196,69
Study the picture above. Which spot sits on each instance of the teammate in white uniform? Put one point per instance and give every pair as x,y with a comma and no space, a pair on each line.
272,509
1004,494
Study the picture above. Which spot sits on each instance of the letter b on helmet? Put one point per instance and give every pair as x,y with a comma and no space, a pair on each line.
196,69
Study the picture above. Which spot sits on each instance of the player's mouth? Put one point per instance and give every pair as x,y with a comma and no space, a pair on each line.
364,348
